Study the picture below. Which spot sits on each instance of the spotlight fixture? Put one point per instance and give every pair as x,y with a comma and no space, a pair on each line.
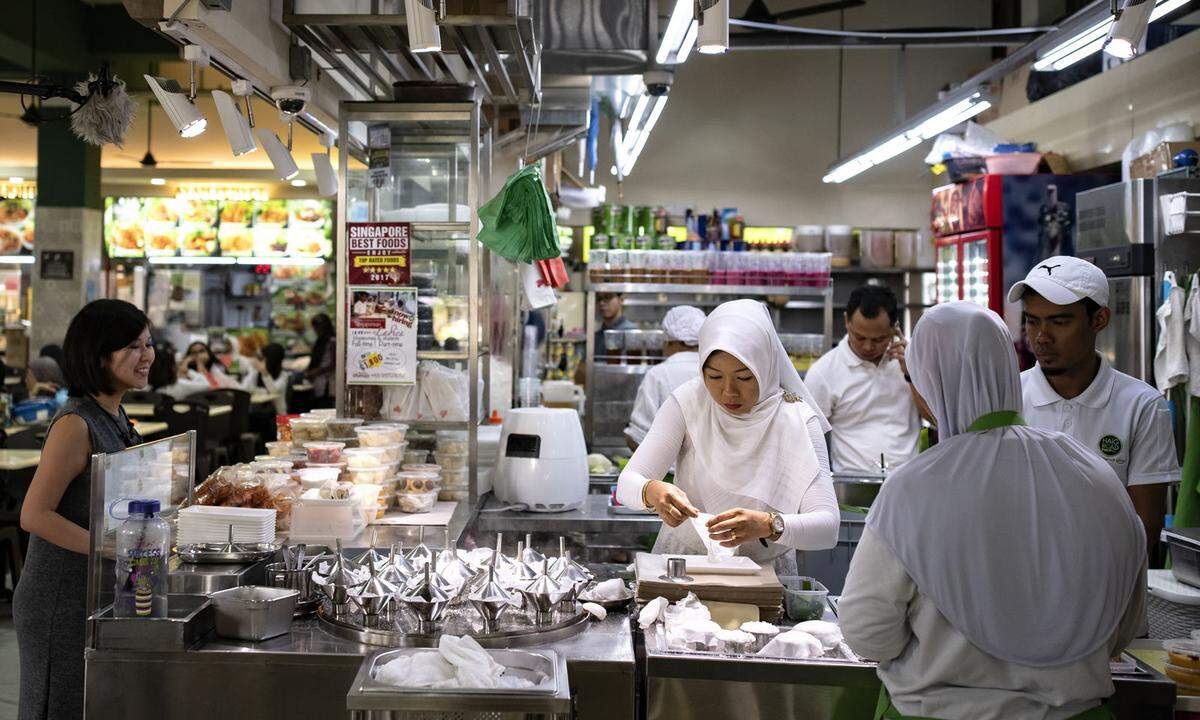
1128,29
327,179
285,166
238,129
423,33
182,112
714,27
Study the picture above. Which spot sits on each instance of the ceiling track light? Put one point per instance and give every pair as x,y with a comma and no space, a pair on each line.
238,130
1128,28
181,111
327,179
422,21
713,36
1096,37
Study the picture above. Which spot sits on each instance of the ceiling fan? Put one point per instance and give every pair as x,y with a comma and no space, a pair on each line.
759,12
148,160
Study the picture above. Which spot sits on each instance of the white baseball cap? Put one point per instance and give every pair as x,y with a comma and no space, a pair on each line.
1063,281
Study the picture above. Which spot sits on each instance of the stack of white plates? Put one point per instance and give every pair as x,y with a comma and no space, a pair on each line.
206,524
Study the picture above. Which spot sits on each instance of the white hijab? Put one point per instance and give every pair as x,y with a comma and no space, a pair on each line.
764,454
1023,539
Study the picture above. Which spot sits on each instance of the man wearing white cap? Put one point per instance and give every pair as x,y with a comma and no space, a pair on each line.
1073,390
682,327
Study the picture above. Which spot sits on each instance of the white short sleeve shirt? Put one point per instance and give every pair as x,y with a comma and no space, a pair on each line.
870,408
658,384
1120,418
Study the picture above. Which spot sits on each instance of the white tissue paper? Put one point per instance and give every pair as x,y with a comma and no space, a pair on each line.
691,633
716,551
795,645
459,662
828,633
607,591
652,612
594,610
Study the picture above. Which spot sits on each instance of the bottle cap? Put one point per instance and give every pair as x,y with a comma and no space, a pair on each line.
143,507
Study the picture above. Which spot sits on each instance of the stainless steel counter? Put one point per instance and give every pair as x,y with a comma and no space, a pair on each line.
307,673
594,516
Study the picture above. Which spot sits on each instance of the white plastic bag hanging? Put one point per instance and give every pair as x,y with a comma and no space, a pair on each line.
1170,357
537,292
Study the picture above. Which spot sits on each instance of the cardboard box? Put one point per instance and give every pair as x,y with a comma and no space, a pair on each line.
1159,160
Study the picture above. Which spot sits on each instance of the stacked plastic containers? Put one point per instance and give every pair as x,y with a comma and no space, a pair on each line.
452,454
710,267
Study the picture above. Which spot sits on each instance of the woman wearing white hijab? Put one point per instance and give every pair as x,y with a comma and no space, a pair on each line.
748,444
1000,570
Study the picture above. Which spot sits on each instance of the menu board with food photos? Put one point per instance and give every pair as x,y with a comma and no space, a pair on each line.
150,227
16,226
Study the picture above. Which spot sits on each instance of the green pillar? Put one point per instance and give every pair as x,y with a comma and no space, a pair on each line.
68,219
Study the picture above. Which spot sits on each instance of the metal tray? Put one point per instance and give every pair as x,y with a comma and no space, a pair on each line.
656,640
214,553
397,629
254,613
190,618
552,697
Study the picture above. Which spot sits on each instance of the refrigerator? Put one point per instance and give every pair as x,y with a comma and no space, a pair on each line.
991,230
1121,230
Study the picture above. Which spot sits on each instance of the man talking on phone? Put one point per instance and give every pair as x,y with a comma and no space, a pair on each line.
862,387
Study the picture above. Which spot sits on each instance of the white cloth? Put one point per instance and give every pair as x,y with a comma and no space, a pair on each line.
1192,338
682,324
870,408
989,524
933,670
657,385
1119,418
1170,356
811,526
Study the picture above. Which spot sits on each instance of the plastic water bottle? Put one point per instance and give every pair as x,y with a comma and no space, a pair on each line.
143,547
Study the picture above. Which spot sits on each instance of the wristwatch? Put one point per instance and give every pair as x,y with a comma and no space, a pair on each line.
776,527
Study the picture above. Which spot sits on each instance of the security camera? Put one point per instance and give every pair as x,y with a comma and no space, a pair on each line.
291,99
658,82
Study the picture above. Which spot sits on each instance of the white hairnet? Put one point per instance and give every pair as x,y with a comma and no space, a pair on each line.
682,323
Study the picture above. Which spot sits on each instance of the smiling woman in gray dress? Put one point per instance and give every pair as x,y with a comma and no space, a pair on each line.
108,351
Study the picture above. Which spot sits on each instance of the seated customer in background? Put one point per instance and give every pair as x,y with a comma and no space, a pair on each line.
199,364
165,375
862,387
54,352
267,375
43,377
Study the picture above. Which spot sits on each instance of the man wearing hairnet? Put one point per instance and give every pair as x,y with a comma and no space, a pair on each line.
682,327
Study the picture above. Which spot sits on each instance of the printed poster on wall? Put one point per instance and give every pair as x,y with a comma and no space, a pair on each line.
381,345
380,253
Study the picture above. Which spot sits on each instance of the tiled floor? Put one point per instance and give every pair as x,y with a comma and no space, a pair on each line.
10,670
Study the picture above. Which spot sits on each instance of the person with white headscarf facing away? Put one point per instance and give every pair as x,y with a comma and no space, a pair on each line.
1000,570
748,445
681,363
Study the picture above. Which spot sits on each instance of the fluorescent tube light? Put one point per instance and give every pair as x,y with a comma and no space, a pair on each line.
297,261
678,27
689,41
171,260
1091,40
16,259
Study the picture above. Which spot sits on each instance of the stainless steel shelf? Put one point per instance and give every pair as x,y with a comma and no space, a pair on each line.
859,270
602,368
419,227
655,288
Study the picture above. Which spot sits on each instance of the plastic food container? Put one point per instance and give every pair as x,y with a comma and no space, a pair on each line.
373,476
804,598
326,413
422,467
1187,680
455,479
1184,653
839,241
274,465
308,429
279,448
364,457
417,482
318,476
343,428
340,467
448,461
906,248
1014,163
809,238
393,453
416,502
297,461
877,248
254,613
324,452
415,457
379,435
452,441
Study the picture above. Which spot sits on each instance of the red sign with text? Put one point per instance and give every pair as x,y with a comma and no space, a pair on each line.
380,253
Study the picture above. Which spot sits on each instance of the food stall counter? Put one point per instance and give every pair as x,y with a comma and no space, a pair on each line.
594,516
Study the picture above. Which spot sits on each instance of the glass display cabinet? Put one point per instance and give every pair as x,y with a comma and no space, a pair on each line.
424,161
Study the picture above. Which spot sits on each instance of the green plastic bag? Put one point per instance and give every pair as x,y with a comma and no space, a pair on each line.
518,224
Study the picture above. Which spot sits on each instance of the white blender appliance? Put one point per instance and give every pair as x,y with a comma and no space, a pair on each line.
543,460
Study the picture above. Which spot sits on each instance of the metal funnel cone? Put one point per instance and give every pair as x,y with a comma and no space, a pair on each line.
491,601
531,557
542,594
421,554
426,600
398,569
373,596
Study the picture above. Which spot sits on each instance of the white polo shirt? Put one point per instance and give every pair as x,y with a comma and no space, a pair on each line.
1118,417
870,408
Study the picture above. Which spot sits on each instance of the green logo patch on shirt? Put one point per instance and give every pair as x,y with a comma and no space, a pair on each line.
1110,445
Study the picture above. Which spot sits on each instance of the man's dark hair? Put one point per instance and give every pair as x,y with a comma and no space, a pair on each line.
870,300
54,352
101,328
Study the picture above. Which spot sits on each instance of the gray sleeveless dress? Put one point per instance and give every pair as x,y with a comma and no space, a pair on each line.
49,605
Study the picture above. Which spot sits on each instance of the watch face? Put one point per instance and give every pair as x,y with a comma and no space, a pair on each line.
777,523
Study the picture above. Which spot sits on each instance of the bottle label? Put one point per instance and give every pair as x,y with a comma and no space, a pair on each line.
143,567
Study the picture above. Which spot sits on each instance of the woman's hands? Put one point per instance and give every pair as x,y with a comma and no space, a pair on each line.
669,502
739,525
